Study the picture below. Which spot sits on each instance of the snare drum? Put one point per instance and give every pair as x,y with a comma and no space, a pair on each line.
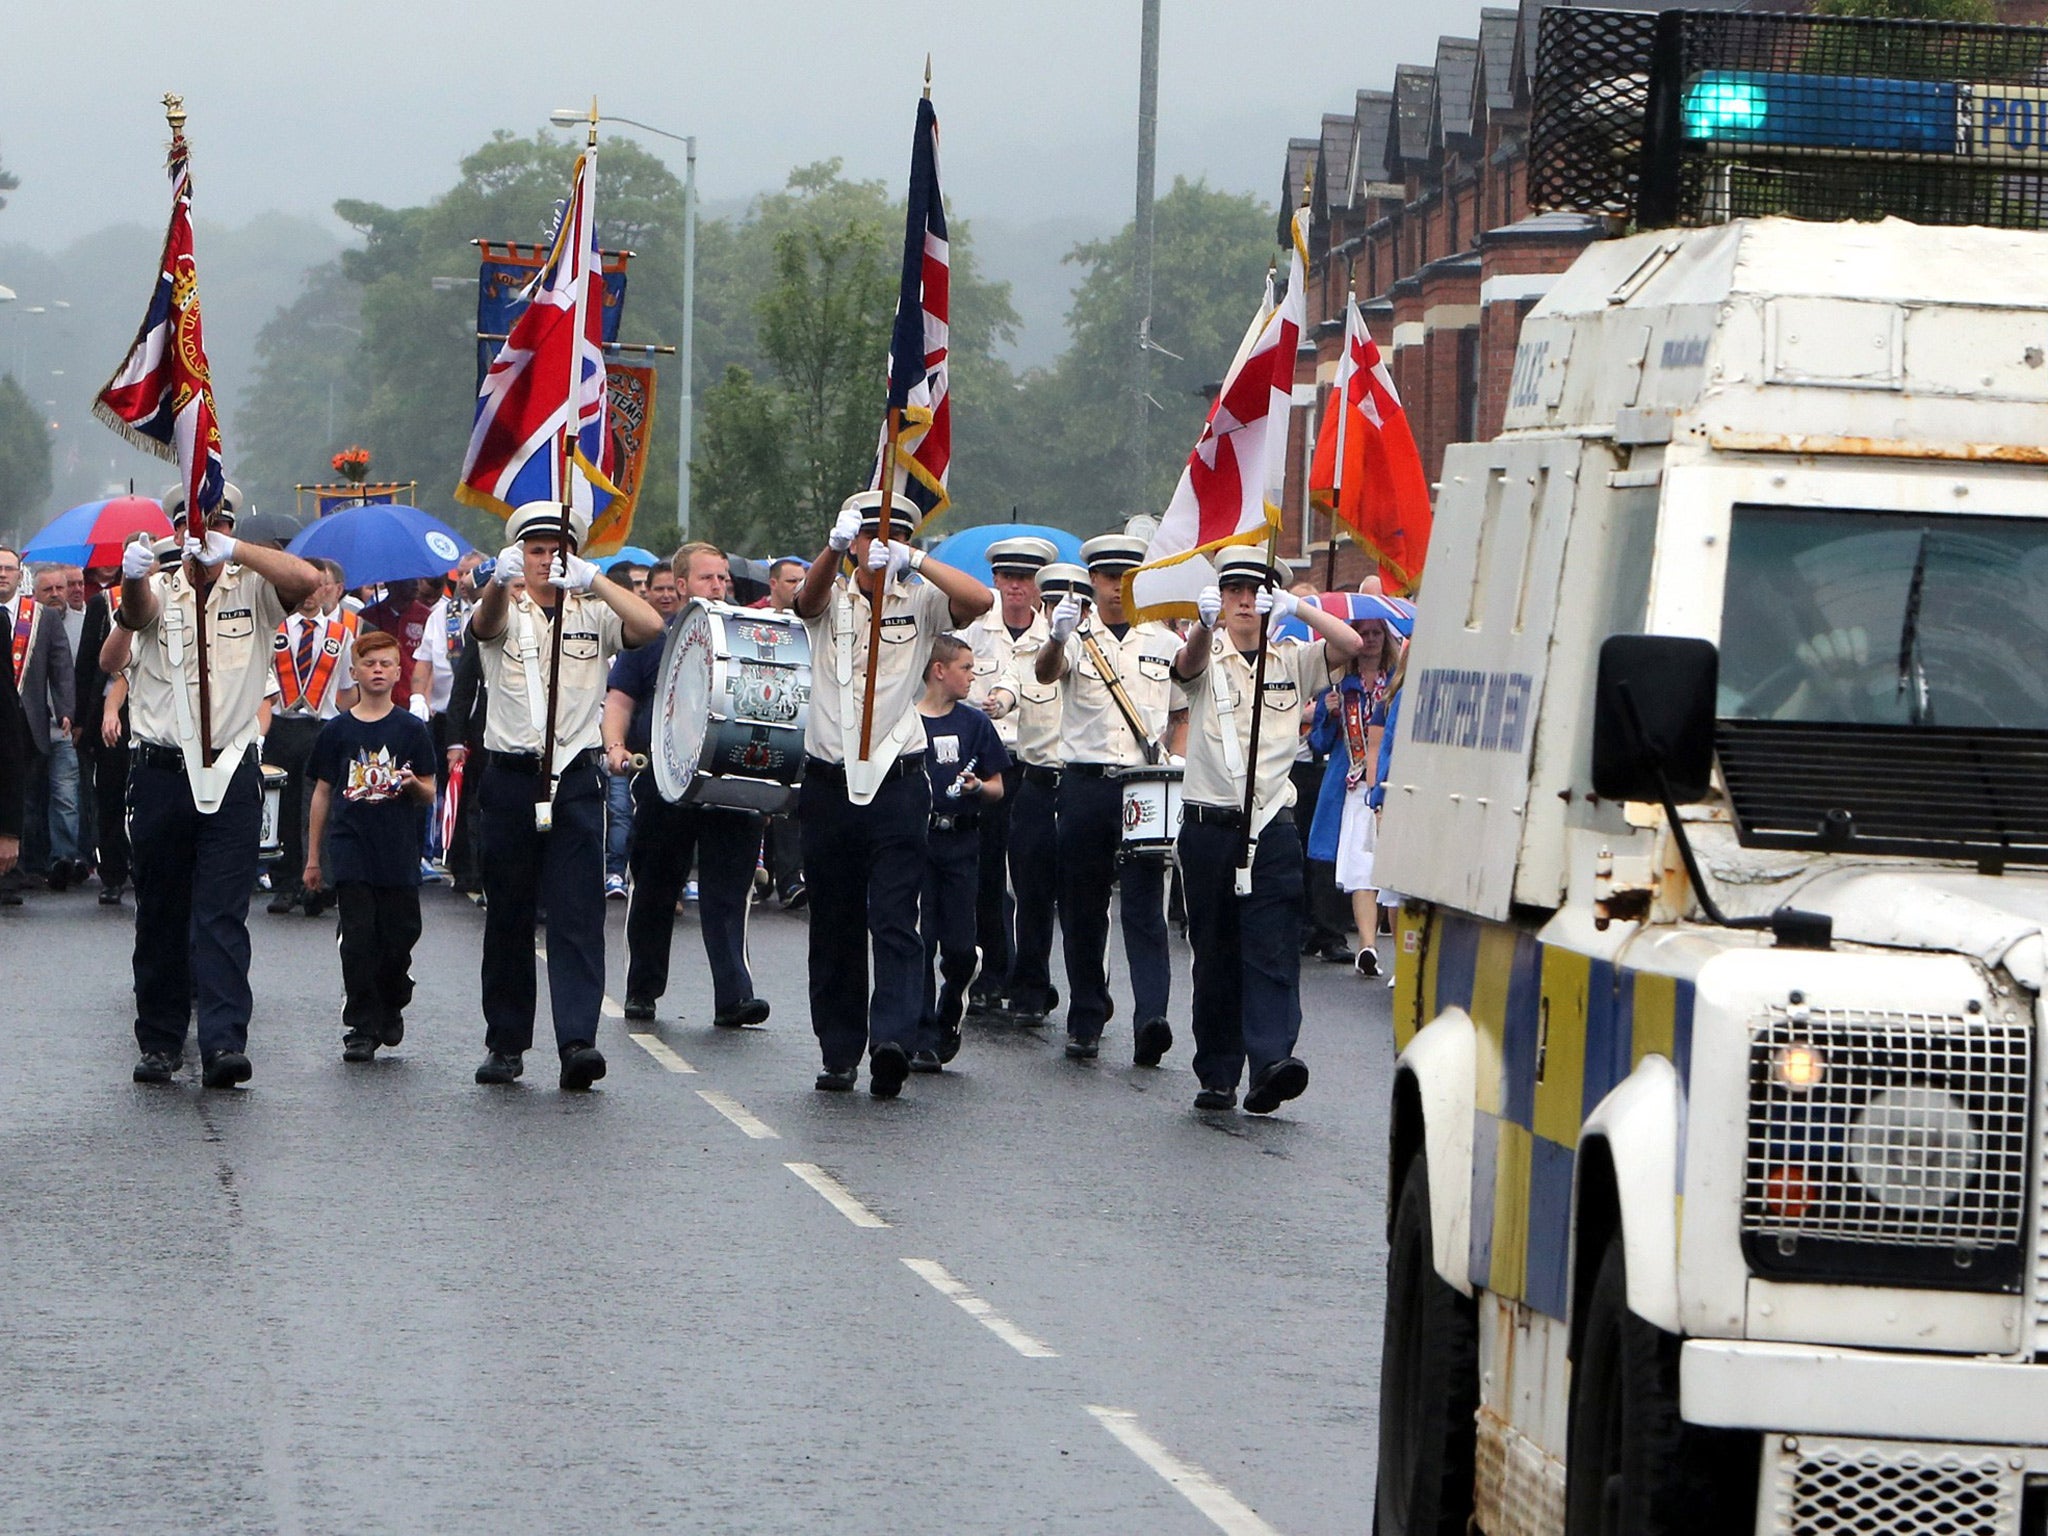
270,840
730,712
1152,810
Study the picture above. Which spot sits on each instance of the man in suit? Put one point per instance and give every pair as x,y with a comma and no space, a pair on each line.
13,748
103,767
40,655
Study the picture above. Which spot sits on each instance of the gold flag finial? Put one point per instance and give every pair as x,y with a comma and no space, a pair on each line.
927,75
174,113
593,121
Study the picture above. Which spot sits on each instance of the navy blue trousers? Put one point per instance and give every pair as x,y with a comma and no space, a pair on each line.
193,875
1247,950
946,921
520,861
864,866
994,911
1090,840
1034,876
725,845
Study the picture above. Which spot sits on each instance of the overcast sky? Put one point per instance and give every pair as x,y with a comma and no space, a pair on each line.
294,105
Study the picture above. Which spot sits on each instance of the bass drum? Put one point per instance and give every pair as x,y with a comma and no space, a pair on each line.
730,711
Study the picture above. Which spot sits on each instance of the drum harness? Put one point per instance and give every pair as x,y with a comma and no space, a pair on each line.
1117,692
842,676
1233,752
209,783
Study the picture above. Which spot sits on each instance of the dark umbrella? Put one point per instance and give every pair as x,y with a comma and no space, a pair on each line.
268,528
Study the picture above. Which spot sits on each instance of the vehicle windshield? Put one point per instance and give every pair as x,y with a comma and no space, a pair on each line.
1886,618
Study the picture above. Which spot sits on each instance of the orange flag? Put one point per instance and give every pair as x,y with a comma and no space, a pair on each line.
1367,470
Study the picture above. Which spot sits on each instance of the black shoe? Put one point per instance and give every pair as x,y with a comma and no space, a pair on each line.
927,1061
316,902
59,876
985,1005
753,1011
1216,1098
500,1068
358,1048
639,1009
1273,1087
888,1065
794,898
81,871
1083,1050
949,1043
110,895
1368,961
392,1033
155,1067
837,1079
283,902
1154,1040
1335,954
224,1069
582,1065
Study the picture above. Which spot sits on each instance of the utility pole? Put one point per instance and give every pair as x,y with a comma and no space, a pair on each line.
686,404
1141,265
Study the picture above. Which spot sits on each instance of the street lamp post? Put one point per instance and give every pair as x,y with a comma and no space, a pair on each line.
686,407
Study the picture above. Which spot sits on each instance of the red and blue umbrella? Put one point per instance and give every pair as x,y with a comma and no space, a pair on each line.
1355,608
382,542
92,534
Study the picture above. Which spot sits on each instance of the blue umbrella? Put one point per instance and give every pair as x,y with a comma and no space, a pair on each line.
632,552
1355,607
382,542
967,550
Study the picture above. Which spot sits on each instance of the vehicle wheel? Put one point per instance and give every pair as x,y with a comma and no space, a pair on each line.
1429,1382
1636,1468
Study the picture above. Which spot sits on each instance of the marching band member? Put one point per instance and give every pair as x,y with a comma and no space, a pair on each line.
314,659
1247,944
1004,641
866,824
724,842
195,826
1094,659
1028,993
599,619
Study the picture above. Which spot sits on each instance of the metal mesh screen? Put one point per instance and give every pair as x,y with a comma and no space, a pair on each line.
1696,117
1826,1487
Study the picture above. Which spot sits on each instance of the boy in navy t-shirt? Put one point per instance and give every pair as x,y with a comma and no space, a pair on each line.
965,759
373,771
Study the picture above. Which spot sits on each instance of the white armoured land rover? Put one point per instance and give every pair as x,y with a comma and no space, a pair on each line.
1720,801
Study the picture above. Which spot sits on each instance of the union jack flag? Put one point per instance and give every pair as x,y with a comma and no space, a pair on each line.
548,379
161,397
923,450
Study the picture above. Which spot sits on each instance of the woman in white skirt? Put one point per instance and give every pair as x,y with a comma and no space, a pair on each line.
1349,721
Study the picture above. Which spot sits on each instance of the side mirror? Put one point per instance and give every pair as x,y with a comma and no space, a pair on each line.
1653,718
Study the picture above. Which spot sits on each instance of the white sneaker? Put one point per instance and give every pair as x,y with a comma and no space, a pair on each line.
690,891
614,887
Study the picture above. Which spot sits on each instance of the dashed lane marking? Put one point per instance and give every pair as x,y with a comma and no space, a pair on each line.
836,1194
942,1280
1217,1502
611,1008
738,1114
658,1048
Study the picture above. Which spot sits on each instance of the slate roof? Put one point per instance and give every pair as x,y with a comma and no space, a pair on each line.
1334,171
1457,71
1414,105
1374,118
1497,58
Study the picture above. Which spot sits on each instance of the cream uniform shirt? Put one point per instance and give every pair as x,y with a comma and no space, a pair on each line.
242,615
515,664
1092,727
914,614
441,645
1004,661
1219,700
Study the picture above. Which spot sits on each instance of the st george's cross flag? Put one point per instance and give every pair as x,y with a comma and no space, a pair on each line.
161,397
1367,471
548,380
1228,492
923,450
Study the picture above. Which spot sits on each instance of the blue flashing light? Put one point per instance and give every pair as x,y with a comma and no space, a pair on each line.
1788,111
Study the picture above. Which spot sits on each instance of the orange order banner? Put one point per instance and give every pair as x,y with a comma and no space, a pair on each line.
629,391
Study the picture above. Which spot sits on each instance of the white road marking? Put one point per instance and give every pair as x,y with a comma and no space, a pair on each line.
610,1008
737,1113
658,1048
836,1194
1214,1500
940,1279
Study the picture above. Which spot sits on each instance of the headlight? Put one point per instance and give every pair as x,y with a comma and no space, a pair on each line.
1914,1148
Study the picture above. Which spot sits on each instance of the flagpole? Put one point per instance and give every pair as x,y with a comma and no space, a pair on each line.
544,788
1343,422
195,520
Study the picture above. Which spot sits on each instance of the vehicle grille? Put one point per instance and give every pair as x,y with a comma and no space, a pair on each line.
2041,1227
1905,1157
1826,1487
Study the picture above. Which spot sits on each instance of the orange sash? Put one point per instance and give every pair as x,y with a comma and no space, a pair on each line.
295,692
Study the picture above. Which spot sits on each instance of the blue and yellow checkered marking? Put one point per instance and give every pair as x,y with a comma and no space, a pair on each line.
1556,1031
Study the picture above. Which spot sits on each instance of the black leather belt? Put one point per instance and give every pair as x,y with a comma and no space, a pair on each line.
529,762
171,759
1091,770
1044,778
817,767
962,821
1228,815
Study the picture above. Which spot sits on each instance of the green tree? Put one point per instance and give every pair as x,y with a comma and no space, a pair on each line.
745,496
8,182
24,459
310,391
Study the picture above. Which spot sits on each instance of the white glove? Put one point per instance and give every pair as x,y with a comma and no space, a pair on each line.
511,565
1284,605
215,549
1209,606
137,560
1066,618
845,529
894,555
572,573
418,705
